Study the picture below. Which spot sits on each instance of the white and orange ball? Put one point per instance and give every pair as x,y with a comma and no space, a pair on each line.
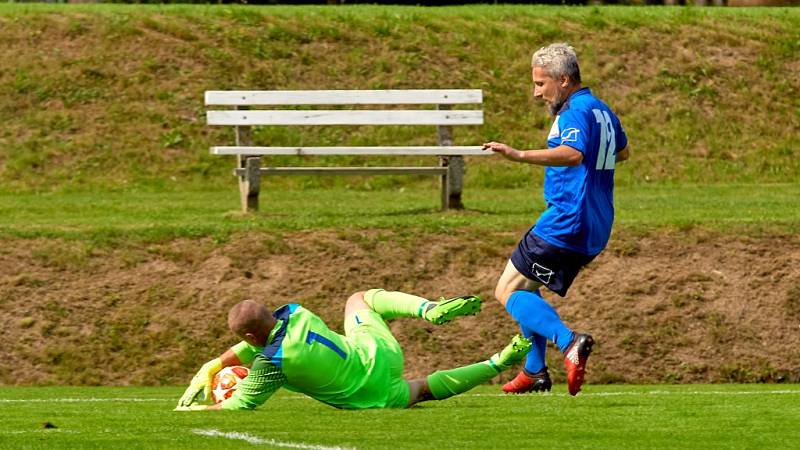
226,381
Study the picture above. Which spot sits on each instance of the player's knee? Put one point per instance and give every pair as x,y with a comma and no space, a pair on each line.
501,292
356,298
418,391
354,303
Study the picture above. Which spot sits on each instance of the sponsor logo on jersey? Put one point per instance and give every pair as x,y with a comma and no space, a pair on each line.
570,135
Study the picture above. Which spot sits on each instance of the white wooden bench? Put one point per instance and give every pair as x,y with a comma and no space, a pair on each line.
248,167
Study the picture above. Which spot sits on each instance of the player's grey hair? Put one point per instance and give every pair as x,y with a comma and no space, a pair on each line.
557,60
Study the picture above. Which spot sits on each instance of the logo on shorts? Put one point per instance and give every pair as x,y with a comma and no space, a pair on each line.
542,273
570,135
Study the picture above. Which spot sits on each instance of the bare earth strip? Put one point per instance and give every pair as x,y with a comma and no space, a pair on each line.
664,307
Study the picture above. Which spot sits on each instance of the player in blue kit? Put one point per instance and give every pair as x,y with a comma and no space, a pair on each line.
583,146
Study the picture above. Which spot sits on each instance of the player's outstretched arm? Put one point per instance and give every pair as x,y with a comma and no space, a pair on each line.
562,155
201,382
259,385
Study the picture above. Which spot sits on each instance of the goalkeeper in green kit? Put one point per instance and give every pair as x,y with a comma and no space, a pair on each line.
292,348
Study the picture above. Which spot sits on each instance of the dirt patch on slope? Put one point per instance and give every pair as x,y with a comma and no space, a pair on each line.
668,307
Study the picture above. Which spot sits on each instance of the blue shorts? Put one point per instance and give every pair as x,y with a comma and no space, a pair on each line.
552,266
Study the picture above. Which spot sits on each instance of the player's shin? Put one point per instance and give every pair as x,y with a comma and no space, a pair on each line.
532,312
535,362
392,304
447,383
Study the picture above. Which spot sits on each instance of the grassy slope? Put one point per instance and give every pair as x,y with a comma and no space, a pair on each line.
112,95
732,416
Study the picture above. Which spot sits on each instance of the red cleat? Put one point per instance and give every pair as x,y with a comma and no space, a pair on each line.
522,383
575,359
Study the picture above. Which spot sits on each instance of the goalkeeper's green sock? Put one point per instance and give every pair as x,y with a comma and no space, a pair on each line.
447,383
392,304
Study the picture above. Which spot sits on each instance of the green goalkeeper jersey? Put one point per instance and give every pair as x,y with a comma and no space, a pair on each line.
360,370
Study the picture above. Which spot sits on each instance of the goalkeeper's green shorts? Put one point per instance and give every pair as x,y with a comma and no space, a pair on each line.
384,386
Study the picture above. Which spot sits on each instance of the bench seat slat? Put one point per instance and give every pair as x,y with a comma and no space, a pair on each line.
346,97
322,151
346,171
345,117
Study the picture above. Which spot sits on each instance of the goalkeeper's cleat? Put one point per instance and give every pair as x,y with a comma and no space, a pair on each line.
522,383
514,352
575,359
445,310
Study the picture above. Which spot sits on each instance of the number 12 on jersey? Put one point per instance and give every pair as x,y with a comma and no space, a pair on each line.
607,154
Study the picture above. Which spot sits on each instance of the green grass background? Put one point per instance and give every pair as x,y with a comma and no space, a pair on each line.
98,97
602,417
158,215
104,132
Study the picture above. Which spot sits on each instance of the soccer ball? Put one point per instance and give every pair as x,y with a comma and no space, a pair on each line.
226,381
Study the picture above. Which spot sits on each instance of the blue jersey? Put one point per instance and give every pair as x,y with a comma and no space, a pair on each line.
580,199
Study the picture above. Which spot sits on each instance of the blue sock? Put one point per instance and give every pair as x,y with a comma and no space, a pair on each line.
531,311
535,361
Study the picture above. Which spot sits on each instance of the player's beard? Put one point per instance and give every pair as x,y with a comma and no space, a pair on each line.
557,103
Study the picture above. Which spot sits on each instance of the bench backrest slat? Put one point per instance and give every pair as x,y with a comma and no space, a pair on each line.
345,117
346,97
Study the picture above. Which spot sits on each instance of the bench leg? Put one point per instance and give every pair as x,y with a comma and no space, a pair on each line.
455,182
250,184
444,161
452,182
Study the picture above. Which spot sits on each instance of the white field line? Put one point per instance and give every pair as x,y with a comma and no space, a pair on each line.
255,440
304,397
648,393
43,430
83,400
111,399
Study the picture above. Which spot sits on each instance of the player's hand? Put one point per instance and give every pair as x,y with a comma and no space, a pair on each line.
505,150
189,396
200,383
191,408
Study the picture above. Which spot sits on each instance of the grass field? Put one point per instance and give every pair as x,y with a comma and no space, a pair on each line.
156,215
106,144
699,416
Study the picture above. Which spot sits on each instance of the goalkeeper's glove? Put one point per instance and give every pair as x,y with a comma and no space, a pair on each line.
191,408
201,383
